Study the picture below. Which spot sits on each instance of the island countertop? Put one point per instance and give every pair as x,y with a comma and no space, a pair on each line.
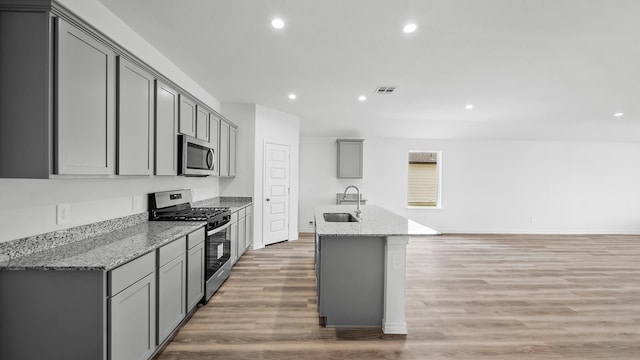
374,221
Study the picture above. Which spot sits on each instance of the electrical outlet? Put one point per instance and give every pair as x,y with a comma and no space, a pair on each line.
311,222
63,214
136,203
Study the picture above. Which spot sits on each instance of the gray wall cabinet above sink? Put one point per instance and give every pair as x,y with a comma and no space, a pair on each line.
350,158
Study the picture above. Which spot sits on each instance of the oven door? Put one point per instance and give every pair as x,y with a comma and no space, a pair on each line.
217,249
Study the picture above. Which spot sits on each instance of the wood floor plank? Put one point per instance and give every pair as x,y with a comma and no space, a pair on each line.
473,296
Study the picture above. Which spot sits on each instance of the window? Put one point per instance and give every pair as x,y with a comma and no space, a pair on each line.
424,179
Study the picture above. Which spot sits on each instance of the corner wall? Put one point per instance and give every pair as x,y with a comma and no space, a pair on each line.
492,186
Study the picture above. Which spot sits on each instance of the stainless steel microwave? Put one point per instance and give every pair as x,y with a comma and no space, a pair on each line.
197,157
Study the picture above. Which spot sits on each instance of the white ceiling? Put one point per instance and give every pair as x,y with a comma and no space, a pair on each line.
533,69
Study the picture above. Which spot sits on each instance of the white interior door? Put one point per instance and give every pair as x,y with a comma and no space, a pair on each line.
276,193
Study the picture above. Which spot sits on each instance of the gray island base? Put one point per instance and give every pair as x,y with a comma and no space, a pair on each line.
360,267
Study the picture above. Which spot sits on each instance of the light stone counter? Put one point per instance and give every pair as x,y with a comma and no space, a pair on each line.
374,221
106,251
361,267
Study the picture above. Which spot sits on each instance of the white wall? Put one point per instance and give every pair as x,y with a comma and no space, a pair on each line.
281,128
492,186
243,115
96,14
28,207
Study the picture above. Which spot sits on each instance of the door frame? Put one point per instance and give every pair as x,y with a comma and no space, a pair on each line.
264,181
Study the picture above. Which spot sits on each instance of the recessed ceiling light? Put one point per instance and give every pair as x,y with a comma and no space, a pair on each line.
362,98
469,107
618,114
409,28
277,23
292,96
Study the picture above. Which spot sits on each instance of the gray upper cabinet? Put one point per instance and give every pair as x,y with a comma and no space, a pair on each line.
224,148
233,134
350,158
85,113
187,116
166,143
87,104
214,129
135,120
202,124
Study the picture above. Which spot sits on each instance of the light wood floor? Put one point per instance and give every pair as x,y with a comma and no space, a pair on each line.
468,297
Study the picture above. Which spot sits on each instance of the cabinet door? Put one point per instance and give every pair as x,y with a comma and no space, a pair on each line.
350,158
166,141
135,119
172,287
242,233
224,148
187,116
234,242
202,124
214,131
233,134
195,275
85,121
132,330
248,232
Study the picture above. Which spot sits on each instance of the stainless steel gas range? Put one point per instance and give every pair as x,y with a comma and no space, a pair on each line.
176,206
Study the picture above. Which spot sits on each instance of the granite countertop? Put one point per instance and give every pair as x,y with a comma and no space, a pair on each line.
106,251
233,203
374,221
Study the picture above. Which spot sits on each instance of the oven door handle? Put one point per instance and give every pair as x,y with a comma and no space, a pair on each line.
218,229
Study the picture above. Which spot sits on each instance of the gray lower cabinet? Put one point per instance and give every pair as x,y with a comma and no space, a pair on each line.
166,141
234,239
195,268
248,232
85,116
242,232
350,280
172,287
132,309
135,119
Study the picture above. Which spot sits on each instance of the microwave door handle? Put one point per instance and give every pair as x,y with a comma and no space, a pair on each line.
210,159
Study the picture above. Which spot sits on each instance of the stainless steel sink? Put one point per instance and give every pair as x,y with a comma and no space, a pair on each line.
339,217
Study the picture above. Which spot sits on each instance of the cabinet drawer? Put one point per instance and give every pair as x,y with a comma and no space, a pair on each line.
195,238
249,210
123,276
171,251
242,213
234,217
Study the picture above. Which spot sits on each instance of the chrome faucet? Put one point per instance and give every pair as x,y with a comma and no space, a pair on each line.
344,197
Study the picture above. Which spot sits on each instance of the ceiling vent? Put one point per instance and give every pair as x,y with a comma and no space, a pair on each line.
385,89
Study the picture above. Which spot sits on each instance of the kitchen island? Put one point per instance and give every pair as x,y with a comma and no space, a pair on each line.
360,266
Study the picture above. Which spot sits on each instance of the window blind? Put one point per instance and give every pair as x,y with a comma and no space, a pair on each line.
423,184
